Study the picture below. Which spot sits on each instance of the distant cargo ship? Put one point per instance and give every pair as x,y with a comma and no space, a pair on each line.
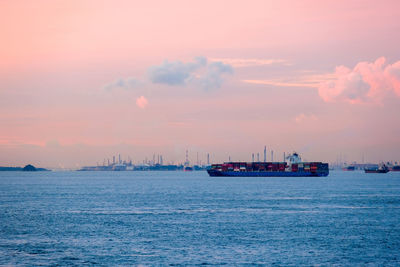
293,168
381,169
395,168
187,169
349,168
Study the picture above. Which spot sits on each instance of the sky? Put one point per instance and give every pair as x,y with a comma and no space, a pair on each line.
81,81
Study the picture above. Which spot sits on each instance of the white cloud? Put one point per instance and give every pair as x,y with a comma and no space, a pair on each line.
198,72
213,76
175,72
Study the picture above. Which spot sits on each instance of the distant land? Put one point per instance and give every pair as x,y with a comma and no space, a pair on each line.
29,168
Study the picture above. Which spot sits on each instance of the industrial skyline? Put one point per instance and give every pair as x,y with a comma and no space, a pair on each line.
204,160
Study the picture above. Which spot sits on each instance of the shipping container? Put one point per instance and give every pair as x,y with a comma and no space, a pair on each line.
294,167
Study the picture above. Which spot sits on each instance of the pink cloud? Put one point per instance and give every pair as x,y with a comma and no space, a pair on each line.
141,102
280,83
305,118
250,62
366,83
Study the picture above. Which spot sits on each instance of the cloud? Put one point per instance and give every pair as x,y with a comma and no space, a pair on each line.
198,72
281,83
141,102
366,83
176,72
213,76
305,118
125,83
302,79
249,62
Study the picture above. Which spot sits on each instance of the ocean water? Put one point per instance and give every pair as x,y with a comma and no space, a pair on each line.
178,218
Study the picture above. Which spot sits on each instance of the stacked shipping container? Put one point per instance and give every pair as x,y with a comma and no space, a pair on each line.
269,167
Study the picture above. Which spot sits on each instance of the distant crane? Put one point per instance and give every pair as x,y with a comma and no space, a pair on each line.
187,158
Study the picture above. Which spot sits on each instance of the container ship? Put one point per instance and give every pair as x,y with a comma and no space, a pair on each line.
293,167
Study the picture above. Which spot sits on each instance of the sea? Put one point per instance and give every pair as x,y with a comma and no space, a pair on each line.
188,218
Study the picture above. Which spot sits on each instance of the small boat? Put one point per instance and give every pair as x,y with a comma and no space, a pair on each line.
349,168
381,169
395,168
187,169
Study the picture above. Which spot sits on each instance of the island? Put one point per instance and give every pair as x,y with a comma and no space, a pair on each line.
27,168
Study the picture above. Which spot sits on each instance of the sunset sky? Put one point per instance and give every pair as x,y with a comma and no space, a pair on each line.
81,81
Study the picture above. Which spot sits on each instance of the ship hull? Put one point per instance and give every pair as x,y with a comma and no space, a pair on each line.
376,171
267,173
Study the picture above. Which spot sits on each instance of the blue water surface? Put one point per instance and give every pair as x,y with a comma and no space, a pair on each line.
188,218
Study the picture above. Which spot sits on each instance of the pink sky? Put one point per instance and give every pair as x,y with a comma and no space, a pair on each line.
81,81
